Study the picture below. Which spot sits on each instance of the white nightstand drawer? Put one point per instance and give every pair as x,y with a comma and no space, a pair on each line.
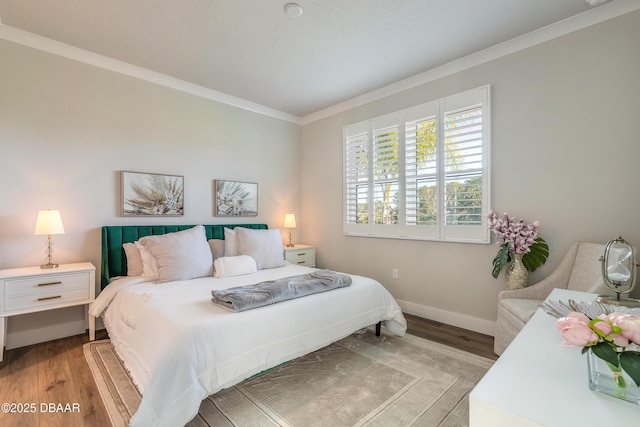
302,255
45,284
45,299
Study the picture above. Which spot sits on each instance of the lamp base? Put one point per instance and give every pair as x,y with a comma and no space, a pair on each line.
618,301
290,245
49,265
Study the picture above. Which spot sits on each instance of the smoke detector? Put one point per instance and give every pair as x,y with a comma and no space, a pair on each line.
293,10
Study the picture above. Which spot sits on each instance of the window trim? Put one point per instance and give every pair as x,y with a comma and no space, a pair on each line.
438,232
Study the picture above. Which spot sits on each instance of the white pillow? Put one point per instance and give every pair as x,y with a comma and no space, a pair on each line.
217,248
134,259
229,266
265,246
230,243
181,255
149,268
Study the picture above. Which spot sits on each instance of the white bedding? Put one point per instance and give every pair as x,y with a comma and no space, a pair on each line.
179,347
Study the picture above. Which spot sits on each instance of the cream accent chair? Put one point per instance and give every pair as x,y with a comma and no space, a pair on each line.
580,270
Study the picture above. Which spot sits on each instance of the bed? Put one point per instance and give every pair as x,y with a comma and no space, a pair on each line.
179,347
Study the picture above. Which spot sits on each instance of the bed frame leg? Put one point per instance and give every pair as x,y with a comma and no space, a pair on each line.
378,325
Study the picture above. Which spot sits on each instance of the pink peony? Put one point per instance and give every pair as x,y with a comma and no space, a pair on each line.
616,335
630,325
576,331
571,319
603,326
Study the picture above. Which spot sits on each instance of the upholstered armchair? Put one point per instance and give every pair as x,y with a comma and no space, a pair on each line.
580,270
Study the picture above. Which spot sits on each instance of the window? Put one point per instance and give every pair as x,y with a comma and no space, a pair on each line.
421,173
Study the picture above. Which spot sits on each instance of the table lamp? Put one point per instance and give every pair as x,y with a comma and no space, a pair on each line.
619,272
290,223
49,222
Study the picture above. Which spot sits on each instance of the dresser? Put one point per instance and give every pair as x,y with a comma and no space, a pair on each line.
537,382
301,255
33,289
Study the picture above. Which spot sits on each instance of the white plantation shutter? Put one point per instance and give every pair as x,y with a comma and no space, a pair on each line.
463,170
421,173
356,166
386,169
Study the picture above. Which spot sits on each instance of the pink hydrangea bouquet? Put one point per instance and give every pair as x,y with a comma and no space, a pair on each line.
613,337
515,236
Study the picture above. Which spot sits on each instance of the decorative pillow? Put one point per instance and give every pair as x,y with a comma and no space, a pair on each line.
134,259
230,243
181,255
265,246
149,268
229,266
217,248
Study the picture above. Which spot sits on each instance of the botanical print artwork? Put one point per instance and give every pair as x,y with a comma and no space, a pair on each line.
235,198
146,194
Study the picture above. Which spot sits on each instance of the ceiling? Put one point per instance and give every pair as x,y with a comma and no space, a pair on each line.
252,50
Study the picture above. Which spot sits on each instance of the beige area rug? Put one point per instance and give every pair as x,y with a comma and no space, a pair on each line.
362,380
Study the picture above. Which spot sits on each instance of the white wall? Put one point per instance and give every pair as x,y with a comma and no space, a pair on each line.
67,129
565,151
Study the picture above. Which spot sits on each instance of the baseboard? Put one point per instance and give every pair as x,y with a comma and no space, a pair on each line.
449,317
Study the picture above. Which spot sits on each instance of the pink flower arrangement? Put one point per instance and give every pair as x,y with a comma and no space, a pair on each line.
613,337
518,235
518,238
576,331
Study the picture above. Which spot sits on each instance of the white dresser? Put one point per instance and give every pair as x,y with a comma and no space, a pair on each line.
537,382
301,255
33,289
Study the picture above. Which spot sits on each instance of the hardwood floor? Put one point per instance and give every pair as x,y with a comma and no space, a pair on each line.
470,341
56,372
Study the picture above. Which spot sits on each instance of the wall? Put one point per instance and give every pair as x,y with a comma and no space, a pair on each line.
67,129
565,151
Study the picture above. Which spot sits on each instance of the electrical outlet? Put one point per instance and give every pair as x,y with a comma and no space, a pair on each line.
394,273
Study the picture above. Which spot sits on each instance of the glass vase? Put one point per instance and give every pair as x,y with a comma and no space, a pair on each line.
608,379
516,274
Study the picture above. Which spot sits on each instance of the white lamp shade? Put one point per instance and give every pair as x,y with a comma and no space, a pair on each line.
49,222
289,221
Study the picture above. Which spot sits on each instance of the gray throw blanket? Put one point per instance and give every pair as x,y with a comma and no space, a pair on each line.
270,292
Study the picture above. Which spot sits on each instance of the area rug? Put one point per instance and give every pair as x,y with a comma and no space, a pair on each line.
362,380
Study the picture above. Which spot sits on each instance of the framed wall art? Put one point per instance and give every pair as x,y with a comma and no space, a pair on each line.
149,194
235,198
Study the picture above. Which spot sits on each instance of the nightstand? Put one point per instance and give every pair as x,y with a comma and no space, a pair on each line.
301,255
33,289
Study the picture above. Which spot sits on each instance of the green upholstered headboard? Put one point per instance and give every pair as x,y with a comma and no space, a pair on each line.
114,261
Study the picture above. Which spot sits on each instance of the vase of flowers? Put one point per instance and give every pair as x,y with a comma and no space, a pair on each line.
516,274
520,248
612,342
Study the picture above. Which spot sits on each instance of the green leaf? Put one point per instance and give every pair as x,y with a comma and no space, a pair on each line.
539,252
501,260
630,362
606,352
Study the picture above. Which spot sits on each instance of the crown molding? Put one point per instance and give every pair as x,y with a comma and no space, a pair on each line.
586,19
28,39
591,17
